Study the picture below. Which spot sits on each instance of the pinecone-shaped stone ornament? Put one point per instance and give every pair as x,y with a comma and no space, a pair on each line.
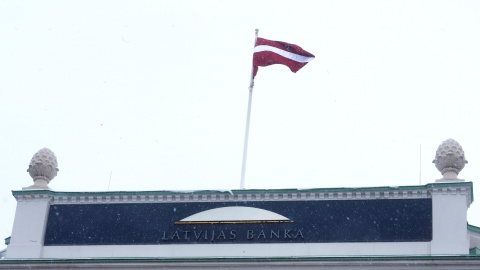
450,160
43,168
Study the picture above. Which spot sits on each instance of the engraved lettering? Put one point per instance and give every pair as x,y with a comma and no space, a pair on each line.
213,236
221,235
250,234
233,234
197,236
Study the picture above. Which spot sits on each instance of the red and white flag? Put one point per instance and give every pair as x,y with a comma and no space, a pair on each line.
269,52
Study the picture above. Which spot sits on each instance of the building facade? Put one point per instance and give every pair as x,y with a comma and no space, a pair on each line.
419,227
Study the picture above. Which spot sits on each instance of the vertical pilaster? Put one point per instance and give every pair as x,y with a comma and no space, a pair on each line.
29,226
449,221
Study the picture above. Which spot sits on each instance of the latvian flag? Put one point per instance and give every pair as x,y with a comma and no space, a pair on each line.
269,52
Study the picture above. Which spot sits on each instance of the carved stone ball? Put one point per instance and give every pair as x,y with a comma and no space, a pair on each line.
43,165
450,157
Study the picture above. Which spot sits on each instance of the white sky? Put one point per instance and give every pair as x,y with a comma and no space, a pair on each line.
154,93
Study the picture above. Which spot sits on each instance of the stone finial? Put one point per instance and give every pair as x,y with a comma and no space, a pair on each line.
43,168
450,160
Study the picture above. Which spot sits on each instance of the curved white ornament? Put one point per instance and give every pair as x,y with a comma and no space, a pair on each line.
234,214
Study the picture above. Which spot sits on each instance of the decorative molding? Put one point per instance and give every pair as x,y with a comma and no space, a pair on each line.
454,191
362,195
387,193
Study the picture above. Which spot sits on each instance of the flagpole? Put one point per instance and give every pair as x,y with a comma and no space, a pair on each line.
247,128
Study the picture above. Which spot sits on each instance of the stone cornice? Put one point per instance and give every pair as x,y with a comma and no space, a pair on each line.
403,192
34,197
454,191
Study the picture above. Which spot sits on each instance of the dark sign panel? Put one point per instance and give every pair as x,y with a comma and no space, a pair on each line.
394,220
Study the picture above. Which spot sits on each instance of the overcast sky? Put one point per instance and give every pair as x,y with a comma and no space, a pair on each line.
152,95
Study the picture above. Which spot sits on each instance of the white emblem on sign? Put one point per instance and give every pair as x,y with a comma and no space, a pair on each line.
234,214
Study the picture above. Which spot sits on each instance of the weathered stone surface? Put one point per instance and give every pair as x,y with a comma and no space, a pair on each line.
450,160
43,168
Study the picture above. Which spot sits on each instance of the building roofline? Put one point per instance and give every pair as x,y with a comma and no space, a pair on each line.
244,191
473,228
7,240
